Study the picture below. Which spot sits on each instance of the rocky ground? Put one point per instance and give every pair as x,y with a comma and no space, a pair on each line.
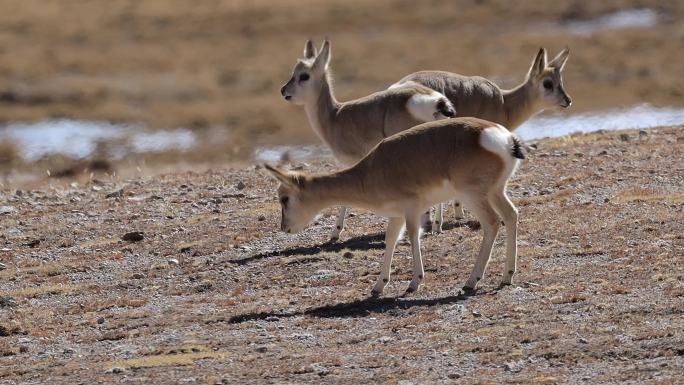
204,289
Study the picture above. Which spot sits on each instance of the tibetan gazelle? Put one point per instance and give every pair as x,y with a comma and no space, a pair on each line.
353,128
466,158
478,97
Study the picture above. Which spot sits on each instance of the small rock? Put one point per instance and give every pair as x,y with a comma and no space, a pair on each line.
138,276
7,302
5,210
19,193
261,218
348,255
453,376
133,236
115,194
100,320
272,319
240,185
261,349
583,340
173,261
32,243
512,367
643,133
115,370
4,332
476,313
604,152
2,266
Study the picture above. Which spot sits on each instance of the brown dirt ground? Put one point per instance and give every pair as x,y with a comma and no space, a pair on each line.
599,298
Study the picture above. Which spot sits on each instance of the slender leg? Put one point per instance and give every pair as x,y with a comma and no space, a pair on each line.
413,227
394,229
339,225
490,225
426,220
458,208
509,214
439,219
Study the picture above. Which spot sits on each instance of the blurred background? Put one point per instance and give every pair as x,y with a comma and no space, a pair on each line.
112,89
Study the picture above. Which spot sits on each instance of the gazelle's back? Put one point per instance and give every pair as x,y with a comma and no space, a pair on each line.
431,155
470,95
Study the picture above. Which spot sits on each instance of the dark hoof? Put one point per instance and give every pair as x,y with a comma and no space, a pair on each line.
469,290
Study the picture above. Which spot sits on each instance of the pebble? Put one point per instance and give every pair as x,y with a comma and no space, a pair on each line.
2,266
348,255
100,320
115,370
173,261
240,185
604,152
133,236
453,376
261,218
5,210
138,276
261,349
7,302
115,194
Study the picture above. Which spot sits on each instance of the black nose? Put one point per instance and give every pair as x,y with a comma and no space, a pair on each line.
282,90
568,101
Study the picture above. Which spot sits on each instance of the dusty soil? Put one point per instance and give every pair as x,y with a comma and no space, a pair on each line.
213,293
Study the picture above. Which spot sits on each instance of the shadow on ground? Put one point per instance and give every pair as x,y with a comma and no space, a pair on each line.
363,242
358,308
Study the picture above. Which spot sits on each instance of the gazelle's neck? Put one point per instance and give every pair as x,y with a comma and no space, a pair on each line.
520,104
339,188
321,111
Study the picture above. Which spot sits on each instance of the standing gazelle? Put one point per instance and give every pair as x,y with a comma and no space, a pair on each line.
466,158
478,97
353,128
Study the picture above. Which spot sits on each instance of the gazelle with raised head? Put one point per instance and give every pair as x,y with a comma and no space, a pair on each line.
478,97
466,158
353,128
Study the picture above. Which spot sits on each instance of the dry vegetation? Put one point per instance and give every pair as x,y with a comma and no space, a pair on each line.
221,62
215,294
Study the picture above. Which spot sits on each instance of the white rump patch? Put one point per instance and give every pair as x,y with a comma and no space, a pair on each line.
498,140
424,107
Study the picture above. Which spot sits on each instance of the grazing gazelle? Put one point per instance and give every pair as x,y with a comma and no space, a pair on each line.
478,97
353,128
466,158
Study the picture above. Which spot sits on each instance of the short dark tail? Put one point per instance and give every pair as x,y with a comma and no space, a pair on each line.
517,150
446,109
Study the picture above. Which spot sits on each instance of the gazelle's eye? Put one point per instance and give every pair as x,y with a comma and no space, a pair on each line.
303,77
284,200
548,84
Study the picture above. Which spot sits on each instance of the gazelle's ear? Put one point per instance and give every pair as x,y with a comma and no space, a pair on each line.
282,176
560,59
323,58
538,64
309,50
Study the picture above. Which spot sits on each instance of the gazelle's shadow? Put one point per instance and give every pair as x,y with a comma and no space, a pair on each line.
363,242
358,308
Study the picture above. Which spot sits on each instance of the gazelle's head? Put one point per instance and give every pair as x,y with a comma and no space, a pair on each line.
298,208
308,75
547,81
